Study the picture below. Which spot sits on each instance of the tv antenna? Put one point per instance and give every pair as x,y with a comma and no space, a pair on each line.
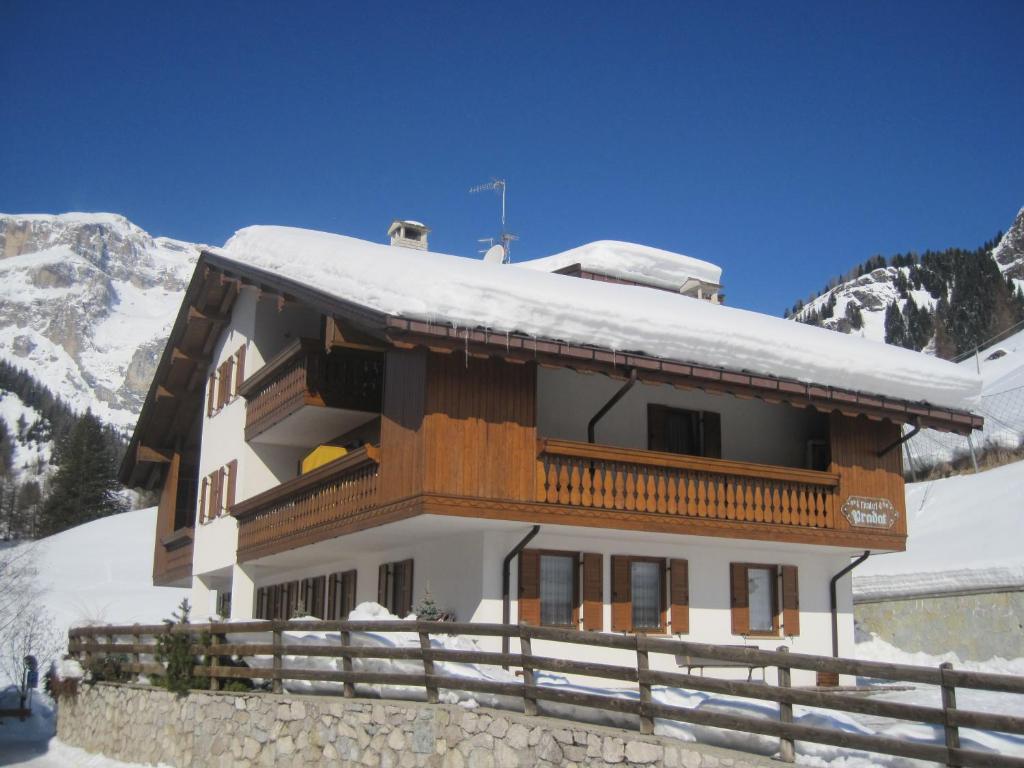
506,237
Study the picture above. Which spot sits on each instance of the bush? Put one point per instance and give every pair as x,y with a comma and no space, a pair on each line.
174,648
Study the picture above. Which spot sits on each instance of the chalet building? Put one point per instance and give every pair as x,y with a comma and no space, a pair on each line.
580,441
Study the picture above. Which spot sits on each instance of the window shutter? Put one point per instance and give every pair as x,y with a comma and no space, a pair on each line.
211,393
622,599
202,499
348,585
593,591
790,600
679,589
232,475
404,599
239,368
529,587
740,600
712,434
382,586
224,387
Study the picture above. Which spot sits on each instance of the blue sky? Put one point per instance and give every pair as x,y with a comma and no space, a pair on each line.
784,141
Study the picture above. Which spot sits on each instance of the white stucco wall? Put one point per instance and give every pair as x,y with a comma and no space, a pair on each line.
752,430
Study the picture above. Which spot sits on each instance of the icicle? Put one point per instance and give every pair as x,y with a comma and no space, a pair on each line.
467,348
508,341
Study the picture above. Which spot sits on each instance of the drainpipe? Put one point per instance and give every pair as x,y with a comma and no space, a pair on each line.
506,582
610,404
832,598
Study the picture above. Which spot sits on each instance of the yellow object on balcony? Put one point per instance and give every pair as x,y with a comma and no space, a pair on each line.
321,455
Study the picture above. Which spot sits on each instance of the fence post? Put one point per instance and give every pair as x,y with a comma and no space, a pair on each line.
787,747
348,689
276,684
525,652
428,662
211,659
137,639
642,666
949,703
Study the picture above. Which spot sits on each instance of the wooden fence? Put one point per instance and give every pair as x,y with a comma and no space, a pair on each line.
210,642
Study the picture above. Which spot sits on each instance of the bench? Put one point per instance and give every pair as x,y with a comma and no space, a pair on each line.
700,662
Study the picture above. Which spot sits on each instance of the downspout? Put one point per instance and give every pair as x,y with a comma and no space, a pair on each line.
833,600
506,583
610,404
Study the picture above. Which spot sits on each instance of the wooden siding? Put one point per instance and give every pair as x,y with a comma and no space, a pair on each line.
855,443
401,434
171,564
479,428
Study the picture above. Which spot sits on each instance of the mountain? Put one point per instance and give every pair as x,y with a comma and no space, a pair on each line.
947,301
86,304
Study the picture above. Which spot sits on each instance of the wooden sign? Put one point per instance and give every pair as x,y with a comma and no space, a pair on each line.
865,512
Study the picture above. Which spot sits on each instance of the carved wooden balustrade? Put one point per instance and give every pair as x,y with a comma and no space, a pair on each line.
302,510
304,373
603,477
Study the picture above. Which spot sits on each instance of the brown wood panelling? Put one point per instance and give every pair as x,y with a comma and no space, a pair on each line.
679,594
170,565
529,587
479,428
790,600
622,603
593,591
739,599
855,443
401,437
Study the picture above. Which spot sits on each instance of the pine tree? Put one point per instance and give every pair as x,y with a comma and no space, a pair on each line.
427,609
895,326
854,316
85,486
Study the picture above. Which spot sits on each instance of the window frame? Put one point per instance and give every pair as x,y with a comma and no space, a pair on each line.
709,449
776,597
663,592
576,560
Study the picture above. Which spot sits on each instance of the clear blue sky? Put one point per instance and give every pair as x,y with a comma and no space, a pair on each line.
783,141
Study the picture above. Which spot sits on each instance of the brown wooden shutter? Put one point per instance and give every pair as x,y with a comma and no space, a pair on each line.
239,368
712,423
224,386
740,599
404,599
593,591
211,393
348,586
232,471
202,499
679,589
529,587
790,600
382,586
622,595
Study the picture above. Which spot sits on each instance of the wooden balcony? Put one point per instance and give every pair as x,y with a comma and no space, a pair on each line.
304,510
602,477
172,561
303,376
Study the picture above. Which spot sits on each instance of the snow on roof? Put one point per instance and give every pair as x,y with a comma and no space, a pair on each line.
629,261
438,288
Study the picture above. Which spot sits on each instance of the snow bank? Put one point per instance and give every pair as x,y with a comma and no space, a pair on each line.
629,261
435,287
964,534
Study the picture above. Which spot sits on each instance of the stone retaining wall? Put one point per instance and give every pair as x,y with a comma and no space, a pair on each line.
975,627
141,724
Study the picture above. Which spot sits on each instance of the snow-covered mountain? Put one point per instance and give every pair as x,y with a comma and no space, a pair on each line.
872,293
86,303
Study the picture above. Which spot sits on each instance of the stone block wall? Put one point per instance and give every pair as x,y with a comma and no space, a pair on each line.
141,724
976,627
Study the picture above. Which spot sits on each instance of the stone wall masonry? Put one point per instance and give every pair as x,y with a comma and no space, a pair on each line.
976,627
231,730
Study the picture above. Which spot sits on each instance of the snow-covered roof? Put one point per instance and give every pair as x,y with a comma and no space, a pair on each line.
629,261
469,293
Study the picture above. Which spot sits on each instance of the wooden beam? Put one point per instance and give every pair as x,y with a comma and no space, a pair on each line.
338,333
146,453
179,354
163,393
194,313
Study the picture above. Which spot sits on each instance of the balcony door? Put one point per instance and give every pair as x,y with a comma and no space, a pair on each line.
679,430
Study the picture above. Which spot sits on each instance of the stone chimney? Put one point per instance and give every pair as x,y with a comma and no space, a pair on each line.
408,234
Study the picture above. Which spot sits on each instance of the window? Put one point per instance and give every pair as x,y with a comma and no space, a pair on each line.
557,590
341,594
677,430
394,587
757,609
224,604
646,580
218,492
549,589
293,598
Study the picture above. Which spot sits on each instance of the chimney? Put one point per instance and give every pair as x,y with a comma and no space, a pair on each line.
408,234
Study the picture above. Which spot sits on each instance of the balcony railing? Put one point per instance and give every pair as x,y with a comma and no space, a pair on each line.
298,511
602,477
173,558
305,374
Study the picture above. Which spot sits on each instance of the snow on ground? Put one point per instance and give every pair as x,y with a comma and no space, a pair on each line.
434,287
964,534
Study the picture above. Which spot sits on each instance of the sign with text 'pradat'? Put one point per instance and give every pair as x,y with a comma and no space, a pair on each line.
866,512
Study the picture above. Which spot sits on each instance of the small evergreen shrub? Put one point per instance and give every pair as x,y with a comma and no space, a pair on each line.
174,648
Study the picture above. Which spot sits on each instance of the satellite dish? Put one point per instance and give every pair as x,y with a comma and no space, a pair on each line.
495,255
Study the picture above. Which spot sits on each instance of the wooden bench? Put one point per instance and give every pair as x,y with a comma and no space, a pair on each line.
700,662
